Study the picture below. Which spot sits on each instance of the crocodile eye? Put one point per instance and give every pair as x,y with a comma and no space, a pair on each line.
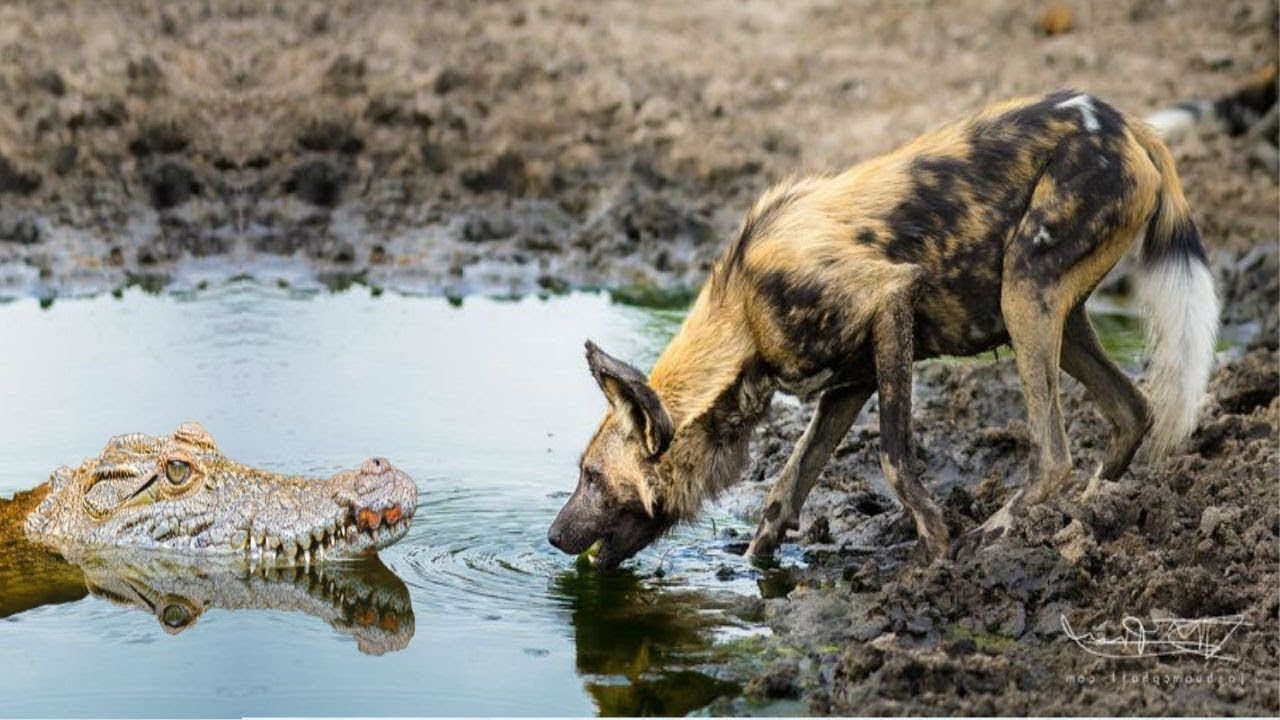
175,616
177,471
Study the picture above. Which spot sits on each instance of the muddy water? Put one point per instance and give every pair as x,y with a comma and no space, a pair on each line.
486,404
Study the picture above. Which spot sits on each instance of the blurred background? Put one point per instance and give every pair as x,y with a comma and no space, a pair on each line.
509,147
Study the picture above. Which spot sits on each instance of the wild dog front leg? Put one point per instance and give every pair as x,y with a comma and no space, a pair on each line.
894,355
837,409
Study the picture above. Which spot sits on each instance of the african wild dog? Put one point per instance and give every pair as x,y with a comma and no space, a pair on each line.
990,230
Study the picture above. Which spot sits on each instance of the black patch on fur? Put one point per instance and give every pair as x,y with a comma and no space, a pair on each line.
1087,167
1184,242
931,208
814,327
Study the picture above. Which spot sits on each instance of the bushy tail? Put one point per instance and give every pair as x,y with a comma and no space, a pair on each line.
1175,291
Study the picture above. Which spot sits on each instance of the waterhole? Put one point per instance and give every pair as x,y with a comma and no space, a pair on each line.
485,403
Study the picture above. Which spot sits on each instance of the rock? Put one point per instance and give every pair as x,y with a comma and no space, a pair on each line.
1215,515
1074,541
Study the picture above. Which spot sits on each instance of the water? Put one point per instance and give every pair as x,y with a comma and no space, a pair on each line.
485,404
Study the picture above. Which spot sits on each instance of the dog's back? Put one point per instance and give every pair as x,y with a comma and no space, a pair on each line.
818,253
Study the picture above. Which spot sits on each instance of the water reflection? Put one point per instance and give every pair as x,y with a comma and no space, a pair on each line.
641,648
364,600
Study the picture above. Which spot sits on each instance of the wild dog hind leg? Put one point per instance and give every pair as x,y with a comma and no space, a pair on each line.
1122,404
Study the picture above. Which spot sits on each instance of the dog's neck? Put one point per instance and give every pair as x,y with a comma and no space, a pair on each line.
716,390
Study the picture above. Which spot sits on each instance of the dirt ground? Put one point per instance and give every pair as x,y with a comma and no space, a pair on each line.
455,147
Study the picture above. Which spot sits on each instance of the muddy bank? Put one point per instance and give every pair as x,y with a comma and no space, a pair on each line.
1192,536
446,147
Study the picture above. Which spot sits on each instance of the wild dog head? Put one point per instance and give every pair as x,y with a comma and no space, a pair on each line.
616,502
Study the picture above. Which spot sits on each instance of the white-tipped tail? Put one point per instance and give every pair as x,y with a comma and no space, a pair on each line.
1177,296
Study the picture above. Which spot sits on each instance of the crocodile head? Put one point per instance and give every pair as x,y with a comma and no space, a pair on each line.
181,494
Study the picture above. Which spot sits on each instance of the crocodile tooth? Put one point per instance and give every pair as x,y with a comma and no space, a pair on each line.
253,544
306,558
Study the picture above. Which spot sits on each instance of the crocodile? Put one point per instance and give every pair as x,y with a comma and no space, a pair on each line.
181,495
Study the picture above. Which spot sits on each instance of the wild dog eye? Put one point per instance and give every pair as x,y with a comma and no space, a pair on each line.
177,471
591,476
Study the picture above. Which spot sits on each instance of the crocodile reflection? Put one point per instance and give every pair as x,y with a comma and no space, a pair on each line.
639,647
363,599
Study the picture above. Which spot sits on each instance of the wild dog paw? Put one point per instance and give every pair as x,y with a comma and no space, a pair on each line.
768,537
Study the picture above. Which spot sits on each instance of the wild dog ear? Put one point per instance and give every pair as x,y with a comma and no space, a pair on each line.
629,391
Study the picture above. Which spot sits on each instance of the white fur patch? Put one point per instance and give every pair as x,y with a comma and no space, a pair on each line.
1043,237
1181,306
1085,104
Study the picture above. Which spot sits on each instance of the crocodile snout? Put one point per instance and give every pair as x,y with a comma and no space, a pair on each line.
380,500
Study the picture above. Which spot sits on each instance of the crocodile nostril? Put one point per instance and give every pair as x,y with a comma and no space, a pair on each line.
368,519
375,466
